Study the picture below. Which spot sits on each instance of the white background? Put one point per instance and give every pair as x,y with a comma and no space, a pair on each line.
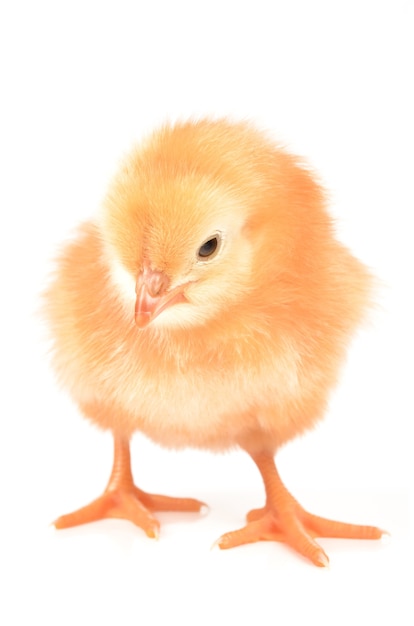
80,82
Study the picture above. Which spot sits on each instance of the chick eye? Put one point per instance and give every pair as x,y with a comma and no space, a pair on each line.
209,248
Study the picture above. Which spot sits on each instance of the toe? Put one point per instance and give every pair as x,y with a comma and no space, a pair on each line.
156,502
255,514
322,527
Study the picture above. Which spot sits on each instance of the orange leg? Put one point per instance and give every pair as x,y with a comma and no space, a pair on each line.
283,519
121,499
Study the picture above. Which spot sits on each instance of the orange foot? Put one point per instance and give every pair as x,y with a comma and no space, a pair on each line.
121,499
283,519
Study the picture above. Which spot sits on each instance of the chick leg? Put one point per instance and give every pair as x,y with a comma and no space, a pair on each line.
122,499
283,519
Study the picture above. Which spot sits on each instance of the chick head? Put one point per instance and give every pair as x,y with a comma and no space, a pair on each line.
174,231
185,217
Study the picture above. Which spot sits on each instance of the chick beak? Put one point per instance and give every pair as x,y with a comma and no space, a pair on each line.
154,296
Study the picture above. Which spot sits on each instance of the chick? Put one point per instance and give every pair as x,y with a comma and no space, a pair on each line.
208,305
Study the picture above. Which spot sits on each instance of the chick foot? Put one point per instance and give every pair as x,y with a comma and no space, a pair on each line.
123,500
283,519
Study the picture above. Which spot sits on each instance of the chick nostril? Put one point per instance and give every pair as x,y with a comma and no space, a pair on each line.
158,284
153,290
154,282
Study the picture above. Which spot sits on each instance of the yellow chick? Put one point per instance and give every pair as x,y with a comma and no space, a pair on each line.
208,305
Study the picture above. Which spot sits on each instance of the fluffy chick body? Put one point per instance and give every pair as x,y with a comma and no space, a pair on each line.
252,355
248,355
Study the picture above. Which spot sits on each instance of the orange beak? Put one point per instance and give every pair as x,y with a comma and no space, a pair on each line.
154,296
